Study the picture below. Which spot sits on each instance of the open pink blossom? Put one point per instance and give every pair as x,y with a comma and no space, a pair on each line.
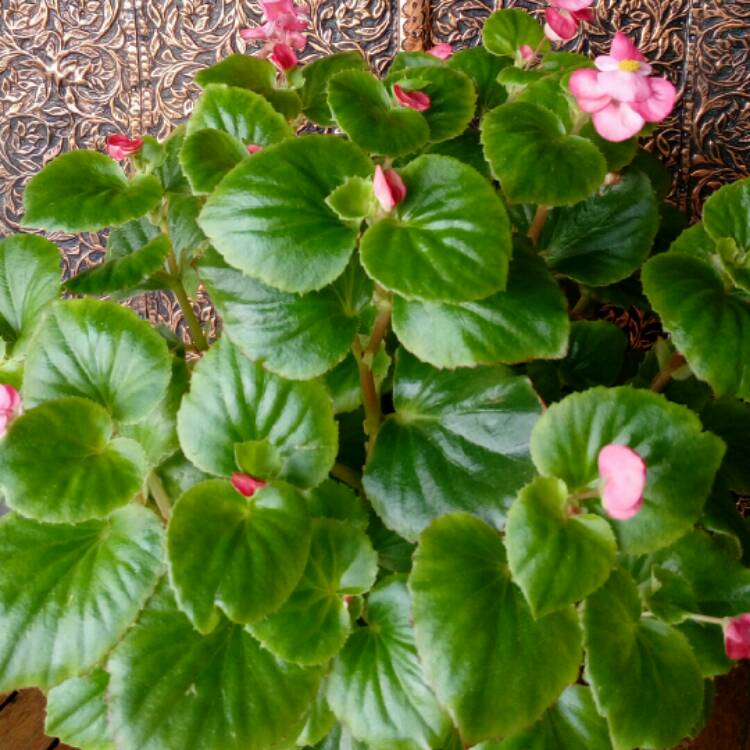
284,20
563,17
737,637
417,100
623,472
253,148
620,94
441,51
10,407
389,188
120,146
246,485
283,57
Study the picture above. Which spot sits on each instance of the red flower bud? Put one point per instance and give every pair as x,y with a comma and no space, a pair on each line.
246,485
120,146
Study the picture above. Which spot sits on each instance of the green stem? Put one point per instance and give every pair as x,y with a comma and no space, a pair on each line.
193,324
161,498
379,328
347,475
586,495
581,307
370,398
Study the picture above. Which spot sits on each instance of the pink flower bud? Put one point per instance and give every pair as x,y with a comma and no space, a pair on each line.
561,25
283,57
253,148
10,407
737,637
120,146
623,472
246,485
526,52
441,51
417,100
389,188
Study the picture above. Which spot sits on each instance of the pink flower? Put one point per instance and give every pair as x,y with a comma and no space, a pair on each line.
283,23
389,188
246,485
441,51
624,474
563,17
417,100
120,146
10,406
737,637
283,57
526,52
253,148
620,95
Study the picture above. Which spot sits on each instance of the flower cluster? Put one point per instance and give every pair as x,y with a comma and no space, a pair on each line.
281,33
563,17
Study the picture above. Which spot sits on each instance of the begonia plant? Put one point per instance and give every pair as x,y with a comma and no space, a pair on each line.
417,492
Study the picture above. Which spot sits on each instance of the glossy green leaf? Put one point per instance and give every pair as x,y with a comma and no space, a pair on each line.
596,354
353,200
178,475
727,214
606,238
448,241
526,143
529,320
269,217
84,191
643,674
60,463
506,31
77,712
730,420
314,623
483,69
457,441
170,170
709,323
296,336
320,720
490,662
343,381
69,593
130,237
335,500
101,351
556,558
173,688
207,155
259,458
681,460
364,110
187,238
232,400
376,688
243,556
317,76
414,59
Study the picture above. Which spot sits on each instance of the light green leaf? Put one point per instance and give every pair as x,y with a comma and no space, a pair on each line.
259,458
415,59
317,76
187,238
490,662
483,69
320,720
69,593
269,217
596,354
207,155
170,171
353,200
232,400
448,241
335,500
529,320
506,31
84,191
377,689
727,214
130,237
643,674
681,460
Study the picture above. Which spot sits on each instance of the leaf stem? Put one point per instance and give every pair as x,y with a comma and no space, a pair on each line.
535,230
661,381
370,398
161,498
347,475
193,324
586,495
380,327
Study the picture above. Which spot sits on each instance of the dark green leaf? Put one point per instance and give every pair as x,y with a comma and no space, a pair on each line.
483,69
596,354
618,155
317,75
467,148
730,420
707,642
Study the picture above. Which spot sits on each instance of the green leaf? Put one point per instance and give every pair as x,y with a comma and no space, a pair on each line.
416,59
556,558
363,109
178,475
458,441
269,217
668,595
335,500
548,92
317,76
69,593
681,460
709,323
320,720
643,674
29,282
606,238
377,689
529,320
344,384
618,155
187,238
490,662
526,143
60,463
232,400
730,420
296,336
448,241
173,688
130,238
506,31
727,214
85,191
259,458
170,171
707,642
77,712
596,354
314,623
483,69
467,148
353,200
243,556
101,351
207,155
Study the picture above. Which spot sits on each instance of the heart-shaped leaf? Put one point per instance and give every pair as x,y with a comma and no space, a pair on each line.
448,241
314,623
490,662
526,143
506,31
85,191
596,354
232,400
317,76
130,237
709,323
296,336
335,500
483,69
727,214
101,351
269,217
171,687
207,155
376,688
88,584
643,674
556,558
241,555
366,113
529,320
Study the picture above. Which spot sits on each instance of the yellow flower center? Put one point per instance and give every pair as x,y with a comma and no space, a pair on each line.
629,66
